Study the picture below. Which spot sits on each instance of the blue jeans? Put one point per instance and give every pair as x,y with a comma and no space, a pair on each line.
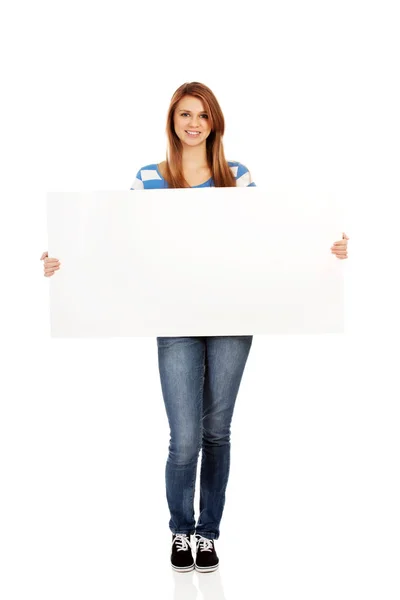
200,379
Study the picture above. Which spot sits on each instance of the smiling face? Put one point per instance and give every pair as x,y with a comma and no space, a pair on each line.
191,121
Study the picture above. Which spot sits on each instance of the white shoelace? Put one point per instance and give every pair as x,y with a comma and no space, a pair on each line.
183,540
203,543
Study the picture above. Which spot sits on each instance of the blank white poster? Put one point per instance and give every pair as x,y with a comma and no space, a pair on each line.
195,262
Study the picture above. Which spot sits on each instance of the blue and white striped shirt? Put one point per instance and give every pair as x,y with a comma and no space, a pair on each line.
149,177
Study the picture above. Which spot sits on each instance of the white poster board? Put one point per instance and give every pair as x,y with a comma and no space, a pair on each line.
194,262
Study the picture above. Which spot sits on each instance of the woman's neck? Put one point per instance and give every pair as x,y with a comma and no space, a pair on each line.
194,158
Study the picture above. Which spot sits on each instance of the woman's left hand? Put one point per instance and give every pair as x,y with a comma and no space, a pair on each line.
340,248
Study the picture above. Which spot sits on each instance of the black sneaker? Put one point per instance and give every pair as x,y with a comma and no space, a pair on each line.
181,555
206,557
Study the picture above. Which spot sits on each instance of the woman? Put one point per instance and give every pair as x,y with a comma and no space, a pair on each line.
200,376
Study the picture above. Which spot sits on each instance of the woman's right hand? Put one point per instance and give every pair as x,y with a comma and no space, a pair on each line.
50,264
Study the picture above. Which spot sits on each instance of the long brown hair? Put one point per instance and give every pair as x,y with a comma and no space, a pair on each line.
220,171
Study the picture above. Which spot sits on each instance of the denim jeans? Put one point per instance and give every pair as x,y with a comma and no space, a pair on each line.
200,379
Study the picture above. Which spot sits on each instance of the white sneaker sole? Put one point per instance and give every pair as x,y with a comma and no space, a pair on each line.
206,569
183,569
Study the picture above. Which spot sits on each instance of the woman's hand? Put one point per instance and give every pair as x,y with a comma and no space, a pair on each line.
50,264
340,248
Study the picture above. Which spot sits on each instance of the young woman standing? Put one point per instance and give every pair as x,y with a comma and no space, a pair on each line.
200,376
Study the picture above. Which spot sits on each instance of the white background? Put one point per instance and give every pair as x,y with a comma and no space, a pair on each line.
309,91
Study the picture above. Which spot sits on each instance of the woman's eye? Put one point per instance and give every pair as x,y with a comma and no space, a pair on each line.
184,115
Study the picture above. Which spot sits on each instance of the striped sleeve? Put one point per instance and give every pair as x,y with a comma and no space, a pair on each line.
243,177
138,183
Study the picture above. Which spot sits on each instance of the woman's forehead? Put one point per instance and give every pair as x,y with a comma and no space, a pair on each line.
191,103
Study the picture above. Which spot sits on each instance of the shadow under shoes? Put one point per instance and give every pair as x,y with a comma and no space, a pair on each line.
181,553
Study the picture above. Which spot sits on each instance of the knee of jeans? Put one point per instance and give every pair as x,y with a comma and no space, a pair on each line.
216,438
184,452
